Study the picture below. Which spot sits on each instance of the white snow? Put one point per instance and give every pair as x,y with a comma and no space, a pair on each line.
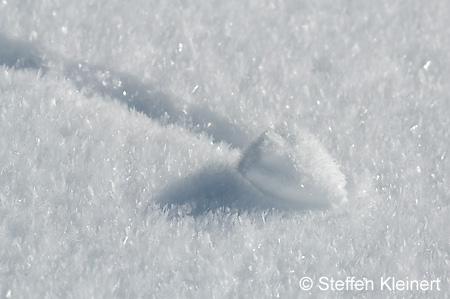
293,169
157,149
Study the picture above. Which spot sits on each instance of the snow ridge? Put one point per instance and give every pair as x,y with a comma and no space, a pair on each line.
286,166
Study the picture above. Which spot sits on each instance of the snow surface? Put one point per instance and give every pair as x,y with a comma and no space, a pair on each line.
293,169
127,131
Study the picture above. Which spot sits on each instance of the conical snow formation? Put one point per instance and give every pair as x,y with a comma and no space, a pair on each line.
293,169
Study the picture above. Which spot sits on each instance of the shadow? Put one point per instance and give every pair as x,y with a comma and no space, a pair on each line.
19,54
211,190
129,89
222,189
125,88
146,99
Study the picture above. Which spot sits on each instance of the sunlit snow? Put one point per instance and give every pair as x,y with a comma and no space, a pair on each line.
224,149
293,169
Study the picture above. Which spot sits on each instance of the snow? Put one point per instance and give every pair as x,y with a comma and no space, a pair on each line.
293,169
154,149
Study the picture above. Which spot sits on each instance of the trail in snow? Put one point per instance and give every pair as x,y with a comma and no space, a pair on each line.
285,167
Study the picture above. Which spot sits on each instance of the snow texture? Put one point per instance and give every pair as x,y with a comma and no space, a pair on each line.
293,169
223,149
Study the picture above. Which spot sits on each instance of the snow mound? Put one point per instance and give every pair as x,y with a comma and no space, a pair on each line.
293,169
284,168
